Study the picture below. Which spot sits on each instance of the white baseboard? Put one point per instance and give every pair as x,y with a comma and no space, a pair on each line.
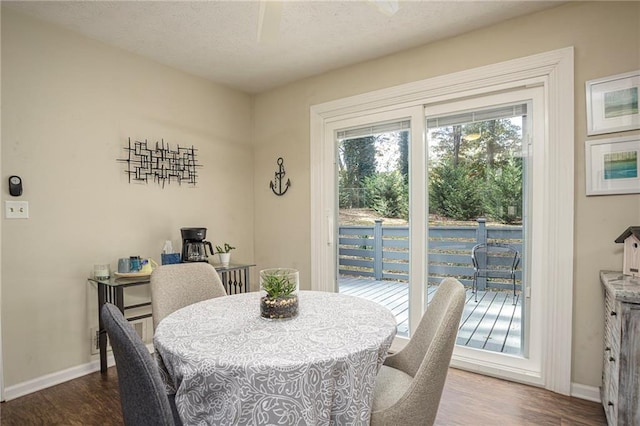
590,393
46,381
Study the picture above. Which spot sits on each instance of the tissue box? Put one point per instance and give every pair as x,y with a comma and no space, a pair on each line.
170,258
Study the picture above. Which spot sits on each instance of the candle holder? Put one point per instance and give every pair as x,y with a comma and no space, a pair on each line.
101,271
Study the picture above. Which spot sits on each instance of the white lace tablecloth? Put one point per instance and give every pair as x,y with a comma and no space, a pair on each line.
228,366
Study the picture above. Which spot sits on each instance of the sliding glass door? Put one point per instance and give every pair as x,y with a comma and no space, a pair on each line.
412,203
373,215
511,173
481,183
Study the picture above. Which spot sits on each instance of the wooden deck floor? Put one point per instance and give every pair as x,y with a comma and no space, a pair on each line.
493,323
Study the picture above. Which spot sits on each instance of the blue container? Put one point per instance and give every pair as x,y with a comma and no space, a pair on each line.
170,258
134,263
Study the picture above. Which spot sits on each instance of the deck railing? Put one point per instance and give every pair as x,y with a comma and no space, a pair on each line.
382,252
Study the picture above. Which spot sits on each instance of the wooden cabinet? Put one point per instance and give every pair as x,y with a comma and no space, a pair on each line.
620,390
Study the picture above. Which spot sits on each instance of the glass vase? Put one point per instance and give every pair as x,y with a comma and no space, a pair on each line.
279,293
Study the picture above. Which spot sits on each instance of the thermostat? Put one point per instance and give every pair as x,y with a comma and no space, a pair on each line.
15,186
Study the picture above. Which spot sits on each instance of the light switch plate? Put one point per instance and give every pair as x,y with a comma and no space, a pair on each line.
16,209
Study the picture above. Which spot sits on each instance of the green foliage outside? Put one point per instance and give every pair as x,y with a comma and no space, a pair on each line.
477,176
403,161
461,193
474,172
453,192
503,192
357,162
387,194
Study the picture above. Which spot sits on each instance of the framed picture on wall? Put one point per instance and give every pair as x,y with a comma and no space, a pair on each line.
612,103
613,165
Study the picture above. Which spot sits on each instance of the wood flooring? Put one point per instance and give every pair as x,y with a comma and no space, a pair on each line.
467,399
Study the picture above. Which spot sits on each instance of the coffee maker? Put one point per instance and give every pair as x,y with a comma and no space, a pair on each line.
194,245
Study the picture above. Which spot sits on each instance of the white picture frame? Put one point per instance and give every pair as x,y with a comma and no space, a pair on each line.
612,103
613,166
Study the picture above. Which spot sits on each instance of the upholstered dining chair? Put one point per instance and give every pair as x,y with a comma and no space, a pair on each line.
182,284
409,384
142,393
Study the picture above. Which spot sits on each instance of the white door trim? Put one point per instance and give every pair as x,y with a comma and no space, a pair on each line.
1,358
552,69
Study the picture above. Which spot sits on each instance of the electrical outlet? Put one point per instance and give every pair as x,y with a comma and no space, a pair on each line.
95,346
16,209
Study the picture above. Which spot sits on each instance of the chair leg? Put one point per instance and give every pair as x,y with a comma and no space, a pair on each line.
513,277
474,287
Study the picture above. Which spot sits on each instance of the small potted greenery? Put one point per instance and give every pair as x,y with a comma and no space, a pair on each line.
279,288
224,252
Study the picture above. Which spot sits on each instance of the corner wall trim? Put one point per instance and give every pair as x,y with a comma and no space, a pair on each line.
590,393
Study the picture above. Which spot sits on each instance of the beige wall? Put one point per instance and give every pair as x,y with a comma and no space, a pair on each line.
606,37
68,106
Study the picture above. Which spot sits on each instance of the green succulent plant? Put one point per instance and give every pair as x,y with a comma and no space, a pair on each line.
278,284
224,249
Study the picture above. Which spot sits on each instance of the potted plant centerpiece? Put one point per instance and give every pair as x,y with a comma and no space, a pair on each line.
224,252
279,298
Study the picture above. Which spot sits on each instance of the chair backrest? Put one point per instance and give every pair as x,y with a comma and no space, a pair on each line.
179,285
142,393
427,356
495,257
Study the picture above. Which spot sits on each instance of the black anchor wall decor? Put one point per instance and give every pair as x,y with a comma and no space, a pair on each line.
276,184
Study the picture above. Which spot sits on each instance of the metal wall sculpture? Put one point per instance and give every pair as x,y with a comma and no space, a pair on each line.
161,164
276,184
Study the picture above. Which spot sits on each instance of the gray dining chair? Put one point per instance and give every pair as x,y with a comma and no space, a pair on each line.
409,384
142,393
179,285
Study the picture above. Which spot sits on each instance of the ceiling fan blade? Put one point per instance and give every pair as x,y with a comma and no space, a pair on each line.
269,21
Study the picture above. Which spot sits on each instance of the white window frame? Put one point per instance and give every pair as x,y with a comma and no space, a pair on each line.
554,70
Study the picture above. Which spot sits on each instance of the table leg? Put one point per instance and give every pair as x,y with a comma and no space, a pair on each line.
119,296
225,284
102,334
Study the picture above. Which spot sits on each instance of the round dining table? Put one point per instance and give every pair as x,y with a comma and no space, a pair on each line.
229,366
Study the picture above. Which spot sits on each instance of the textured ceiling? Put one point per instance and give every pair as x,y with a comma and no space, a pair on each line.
221,40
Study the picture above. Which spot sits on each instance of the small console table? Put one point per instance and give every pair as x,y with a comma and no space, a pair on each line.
235,278
112,291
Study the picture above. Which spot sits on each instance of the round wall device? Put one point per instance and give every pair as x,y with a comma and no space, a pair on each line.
15,186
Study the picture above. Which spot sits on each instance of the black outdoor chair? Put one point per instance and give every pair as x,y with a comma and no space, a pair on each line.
494,260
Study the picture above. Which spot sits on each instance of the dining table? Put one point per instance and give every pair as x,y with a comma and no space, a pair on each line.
227,365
